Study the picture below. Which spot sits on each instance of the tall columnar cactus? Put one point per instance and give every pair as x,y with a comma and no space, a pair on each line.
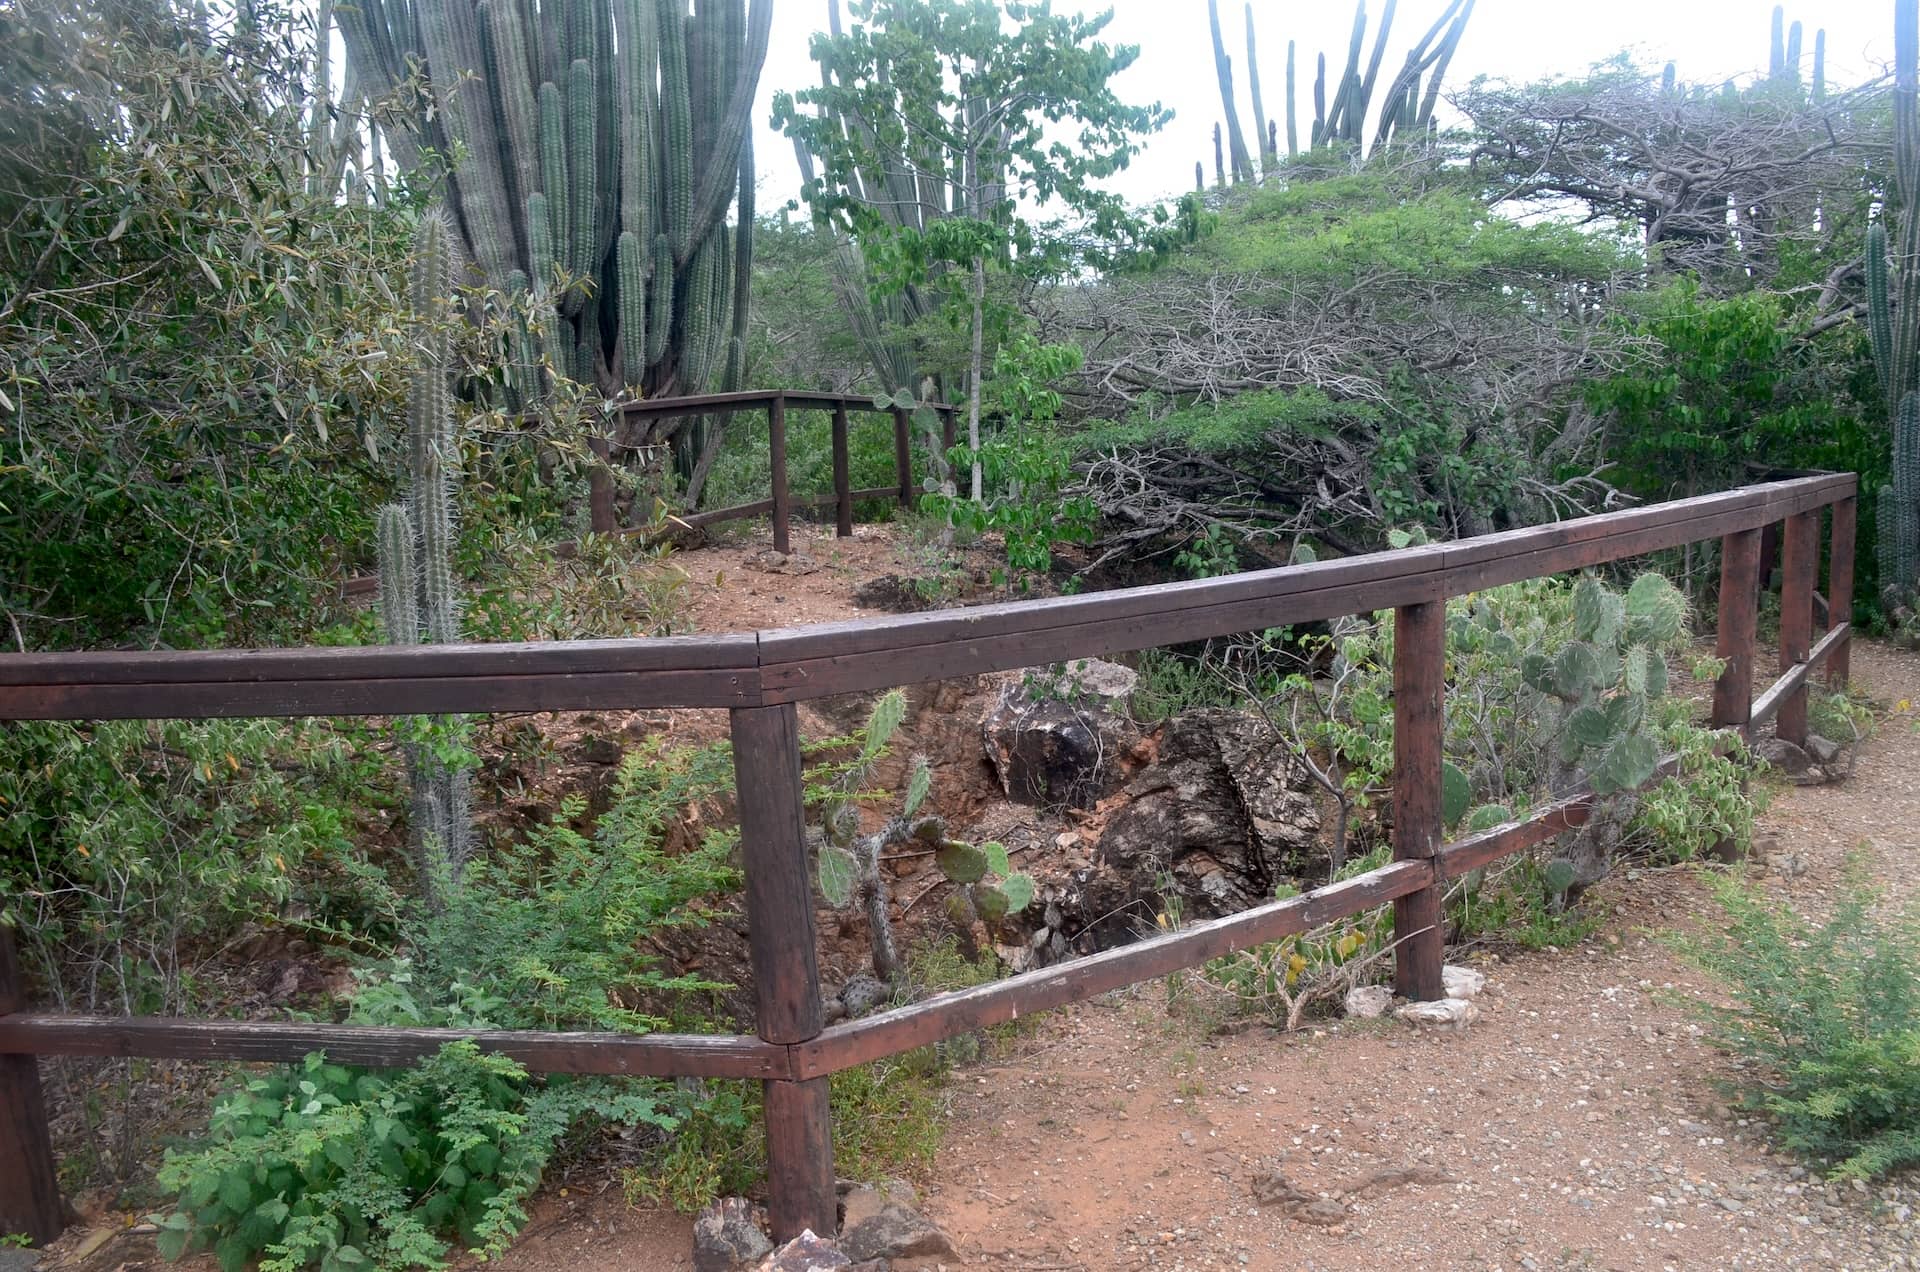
1223,69
1401,106
570,124
1893,319
418,600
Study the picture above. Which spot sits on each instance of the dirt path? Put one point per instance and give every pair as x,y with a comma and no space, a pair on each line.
1574,1125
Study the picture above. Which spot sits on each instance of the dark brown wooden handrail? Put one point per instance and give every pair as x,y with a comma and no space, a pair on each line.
794,664
761,675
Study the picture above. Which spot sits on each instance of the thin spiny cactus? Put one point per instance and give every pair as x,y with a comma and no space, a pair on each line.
1893,319
419,602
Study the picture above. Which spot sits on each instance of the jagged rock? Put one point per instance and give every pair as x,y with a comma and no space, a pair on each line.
1824,750
1449,1015
727,1236
861,1202
1223,813
1062,738
1275,1190
805,1253
1369,1002
1462,982
889,1230
1819,762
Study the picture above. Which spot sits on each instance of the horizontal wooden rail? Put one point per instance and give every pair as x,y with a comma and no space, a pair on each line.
750,399
1767,705
169,1038
792,664
963,1011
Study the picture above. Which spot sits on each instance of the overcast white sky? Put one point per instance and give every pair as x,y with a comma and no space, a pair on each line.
1711,40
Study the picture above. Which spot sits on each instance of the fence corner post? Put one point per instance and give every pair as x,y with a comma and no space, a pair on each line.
1840,588
1419,691
777,460
29,1188
1800,561
1734,641
786,971
842,481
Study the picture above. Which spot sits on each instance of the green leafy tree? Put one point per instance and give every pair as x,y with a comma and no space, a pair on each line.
939,125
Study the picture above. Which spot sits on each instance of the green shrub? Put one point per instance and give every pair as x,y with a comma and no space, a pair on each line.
1827,1018
128,846
324,1166
552,932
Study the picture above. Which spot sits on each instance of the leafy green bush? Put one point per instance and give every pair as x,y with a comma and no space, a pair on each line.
128,846
551,933
1828,1019
324,1166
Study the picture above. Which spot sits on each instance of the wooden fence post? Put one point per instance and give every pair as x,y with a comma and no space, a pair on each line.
29,1191
1419,688
949,428
1840,588
600,485
842,484
1734,643
777,451
903,456
786,971
1800,561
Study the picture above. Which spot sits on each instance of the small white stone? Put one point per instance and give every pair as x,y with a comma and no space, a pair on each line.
1369,1001
1462,982
1445,1013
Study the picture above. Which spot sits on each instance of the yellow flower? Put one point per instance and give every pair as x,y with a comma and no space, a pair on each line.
1905,704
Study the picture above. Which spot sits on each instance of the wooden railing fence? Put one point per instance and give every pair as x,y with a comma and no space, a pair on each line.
780,502
760,676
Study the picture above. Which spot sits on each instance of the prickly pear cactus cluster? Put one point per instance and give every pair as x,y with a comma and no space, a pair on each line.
985,886
418,600
1605,678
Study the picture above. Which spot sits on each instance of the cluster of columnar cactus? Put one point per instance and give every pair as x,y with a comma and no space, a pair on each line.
418,600
594,149
1893,319
1405,102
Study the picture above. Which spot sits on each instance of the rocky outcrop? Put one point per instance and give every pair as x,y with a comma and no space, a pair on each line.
1220,817
1063,737
729,1235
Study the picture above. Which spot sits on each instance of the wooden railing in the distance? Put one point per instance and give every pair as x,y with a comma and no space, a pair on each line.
760,676
780,502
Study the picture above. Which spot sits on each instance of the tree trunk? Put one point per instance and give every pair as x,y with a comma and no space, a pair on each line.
975,368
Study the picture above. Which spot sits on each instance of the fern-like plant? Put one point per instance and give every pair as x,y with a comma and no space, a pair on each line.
1828,1017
